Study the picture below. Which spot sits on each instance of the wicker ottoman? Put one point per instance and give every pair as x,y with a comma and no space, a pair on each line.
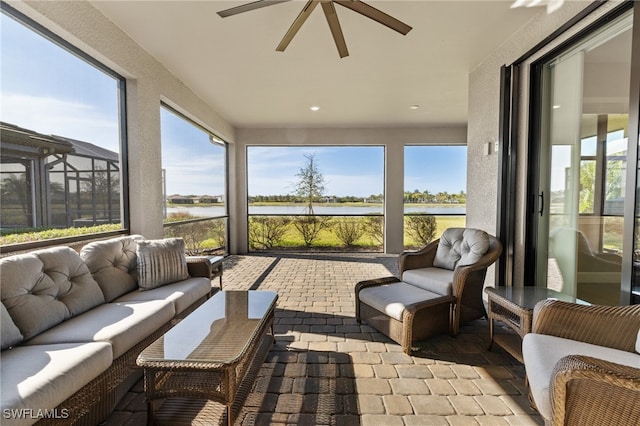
401,311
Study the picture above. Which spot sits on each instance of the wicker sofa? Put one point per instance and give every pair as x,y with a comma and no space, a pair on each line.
583,363
73,323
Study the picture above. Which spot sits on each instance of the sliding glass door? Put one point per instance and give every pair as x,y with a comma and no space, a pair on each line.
581,174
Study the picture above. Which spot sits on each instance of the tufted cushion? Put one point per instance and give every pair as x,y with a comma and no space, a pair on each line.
45,287
113,264
10,333
460,247
161,262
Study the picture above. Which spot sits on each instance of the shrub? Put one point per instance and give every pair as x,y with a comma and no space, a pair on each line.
309,227
267,231
422,228
373,226
348,231
198,236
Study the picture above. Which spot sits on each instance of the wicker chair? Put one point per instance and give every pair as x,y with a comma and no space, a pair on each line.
583,365
427,300
468,280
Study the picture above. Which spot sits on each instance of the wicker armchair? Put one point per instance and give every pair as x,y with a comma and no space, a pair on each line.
468,280
584,388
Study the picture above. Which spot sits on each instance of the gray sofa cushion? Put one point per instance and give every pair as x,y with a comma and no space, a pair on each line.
123,325
42,377
393,298
161,262
460,247
542,352
45,287
437,280
113,264
182,294
10,333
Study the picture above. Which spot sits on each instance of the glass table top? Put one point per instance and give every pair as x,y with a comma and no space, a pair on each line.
527,297
218,332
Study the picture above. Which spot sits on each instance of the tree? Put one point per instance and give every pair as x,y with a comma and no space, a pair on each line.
310,183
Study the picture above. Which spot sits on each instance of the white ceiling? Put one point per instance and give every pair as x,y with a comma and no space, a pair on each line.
231,63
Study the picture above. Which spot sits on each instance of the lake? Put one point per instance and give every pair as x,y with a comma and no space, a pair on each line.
324,210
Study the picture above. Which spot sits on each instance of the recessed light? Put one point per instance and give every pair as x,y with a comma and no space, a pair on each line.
414,107
314,108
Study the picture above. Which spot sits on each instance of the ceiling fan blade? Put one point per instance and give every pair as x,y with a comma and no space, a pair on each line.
336,31
248,7
375,14
293,30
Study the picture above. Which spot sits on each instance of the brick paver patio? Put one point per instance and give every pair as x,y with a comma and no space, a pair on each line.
326,369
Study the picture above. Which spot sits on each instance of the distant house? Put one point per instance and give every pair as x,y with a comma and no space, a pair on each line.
75,183
195,199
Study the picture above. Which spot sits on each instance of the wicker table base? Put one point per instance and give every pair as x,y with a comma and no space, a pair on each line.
513,306
198,367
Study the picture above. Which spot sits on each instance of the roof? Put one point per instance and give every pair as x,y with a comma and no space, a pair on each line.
18,141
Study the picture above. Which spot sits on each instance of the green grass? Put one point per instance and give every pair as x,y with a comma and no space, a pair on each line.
327,239
47,234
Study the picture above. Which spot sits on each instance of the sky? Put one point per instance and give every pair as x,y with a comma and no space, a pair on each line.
46,89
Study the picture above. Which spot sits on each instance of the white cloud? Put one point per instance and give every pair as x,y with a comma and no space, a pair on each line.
59,117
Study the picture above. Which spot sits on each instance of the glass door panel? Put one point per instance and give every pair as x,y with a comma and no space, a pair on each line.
583,156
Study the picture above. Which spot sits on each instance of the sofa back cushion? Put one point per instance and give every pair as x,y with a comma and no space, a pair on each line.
45,287
10,332
460,247
161,262
113,264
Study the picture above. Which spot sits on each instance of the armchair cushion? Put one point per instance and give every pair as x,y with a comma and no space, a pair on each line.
460,247
436,280
542,352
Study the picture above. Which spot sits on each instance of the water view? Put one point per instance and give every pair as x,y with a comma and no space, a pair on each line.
288,209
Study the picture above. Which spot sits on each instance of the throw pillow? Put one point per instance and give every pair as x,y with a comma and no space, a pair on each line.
161,262
10,332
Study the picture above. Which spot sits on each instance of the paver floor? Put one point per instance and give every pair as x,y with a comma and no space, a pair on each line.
326,369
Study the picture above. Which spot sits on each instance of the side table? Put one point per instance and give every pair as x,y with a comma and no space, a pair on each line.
215,265
513,306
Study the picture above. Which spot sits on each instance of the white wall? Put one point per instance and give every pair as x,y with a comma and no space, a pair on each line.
148,82
393,139
484,91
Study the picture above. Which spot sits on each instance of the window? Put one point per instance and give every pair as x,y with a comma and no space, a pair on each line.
194,184
316,197
435,179
61,131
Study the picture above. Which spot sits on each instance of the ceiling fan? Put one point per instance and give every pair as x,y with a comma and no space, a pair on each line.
332,18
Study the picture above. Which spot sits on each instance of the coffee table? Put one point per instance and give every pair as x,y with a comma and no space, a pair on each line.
205,359
513,306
